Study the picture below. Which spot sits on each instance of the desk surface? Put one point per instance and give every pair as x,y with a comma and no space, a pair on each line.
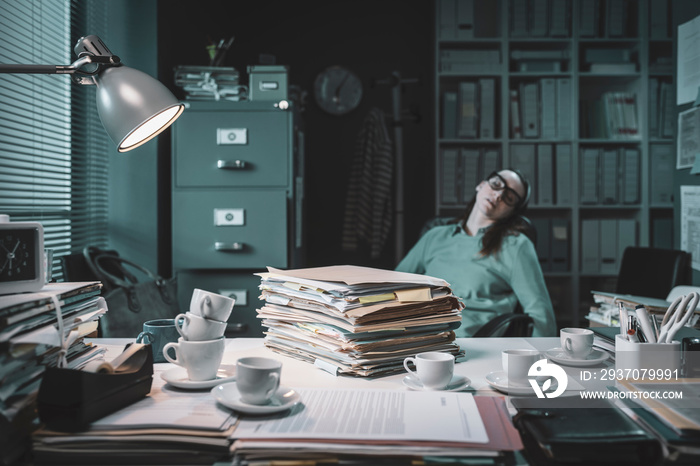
483,355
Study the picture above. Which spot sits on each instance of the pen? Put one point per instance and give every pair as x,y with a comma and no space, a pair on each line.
645,323
632,335
622,318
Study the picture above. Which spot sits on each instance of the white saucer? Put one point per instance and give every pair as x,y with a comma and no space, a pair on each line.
177,377
559,356
458,382
499,381
229,396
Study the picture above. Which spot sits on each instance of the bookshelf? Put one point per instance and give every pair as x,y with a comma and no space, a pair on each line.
579,95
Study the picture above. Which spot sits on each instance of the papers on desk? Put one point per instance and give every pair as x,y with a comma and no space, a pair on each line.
380,423
357,320
30,342
607,311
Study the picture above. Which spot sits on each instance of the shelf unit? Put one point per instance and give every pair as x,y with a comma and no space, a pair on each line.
521,45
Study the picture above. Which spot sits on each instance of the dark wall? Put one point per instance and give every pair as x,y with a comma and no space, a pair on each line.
371,37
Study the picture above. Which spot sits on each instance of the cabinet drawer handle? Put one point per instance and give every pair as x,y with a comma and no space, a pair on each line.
229,247
231,164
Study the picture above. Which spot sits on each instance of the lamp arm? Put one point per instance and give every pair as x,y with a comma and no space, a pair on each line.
74,67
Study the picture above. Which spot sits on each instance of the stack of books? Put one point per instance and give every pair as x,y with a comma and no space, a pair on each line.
30,342
357,320
210,83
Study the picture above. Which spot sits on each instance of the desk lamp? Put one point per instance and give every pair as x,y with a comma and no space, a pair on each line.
133,106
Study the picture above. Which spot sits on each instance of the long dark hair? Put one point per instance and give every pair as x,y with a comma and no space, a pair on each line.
513,224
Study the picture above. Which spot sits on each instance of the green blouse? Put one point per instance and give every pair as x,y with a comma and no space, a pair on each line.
488,286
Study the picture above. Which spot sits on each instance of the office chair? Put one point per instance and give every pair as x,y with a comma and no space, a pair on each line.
652,272
515,324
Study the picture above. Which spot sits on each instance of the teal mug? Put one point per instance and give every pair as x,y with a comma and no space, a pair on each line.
158,333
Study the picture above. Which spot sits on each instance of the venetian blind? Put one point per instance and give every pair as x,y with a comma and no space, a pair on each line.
53,150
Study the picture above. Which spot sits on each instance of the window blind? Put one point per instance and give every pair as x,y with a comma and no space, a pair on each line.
53,150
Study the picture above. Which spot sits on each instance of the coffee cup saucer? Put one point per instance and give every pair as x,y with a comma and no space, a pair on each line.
560,356
499,381
458,382
177,377
229,396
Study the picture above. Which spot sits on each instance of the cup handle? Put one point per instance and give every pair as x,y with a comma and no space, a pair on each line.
567,346
167,356
181,330
204,302
405,365
276,381
146,335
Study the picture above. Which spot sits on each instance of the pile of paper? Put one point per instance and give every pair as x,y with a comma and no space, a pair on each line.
210,83
30,341
357,320
169,426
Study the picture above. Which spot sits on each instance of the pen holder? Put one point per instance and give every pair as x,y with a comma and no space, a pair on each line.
636,355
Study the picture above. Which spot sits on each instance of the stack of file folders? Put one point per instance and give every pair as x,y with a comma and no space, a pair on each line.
30,342
357,320
210,83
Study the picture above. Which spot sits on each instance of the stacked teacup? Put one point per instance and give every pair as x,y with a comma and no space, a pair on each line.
201,347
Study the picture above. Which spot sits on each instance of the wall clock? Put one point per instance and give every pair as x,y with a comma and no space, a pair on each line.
21,256
337,90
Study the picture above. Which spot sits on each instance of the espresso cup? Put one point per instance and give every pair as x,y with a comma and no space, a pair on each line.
433,369
197,328
200,358
576,342
211,305
516,364
157,333
257,379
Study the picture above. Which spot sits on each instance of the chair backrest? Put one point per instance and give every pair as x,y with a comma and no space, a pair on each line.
652,272
507,325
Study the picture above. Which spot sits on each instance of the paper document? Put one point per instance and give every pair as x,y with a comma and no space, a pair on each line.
356,275
690,223
374,415
688,71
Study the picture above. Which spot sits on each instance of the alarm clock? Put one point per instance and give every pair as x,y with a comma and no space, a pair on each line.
22,265
337,90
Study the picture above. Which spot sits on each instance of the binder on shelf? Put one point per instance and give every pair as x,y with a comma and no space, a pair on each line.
563,114
662,167
487,108
470,173
653,107
491,162
468,112
449,170
626,236
629,115
465,19
589,17
616,18
590,246
630,176
545,177
543,229
516,129
559,18
662,233
523,159
549,108
449,115
563,171
609,177
589,175
658,19
529,103
608,247
538,18
559,248
667,121
448,20
518,18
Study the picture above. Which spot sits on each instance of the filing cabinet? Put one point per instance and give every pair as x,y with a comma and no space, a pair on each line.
237,182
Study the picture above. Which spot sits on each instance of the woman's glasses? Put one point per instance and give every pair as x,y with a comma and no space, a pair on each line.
509,196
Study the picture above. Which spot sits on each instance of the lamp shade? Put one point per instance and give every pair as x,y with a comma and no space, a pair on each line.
133,106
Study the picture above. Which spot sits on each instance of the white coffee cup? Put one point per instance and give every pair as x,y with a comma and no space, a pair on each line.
211,305
434,370
197,328
257,379
516,364
576,342
200,358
